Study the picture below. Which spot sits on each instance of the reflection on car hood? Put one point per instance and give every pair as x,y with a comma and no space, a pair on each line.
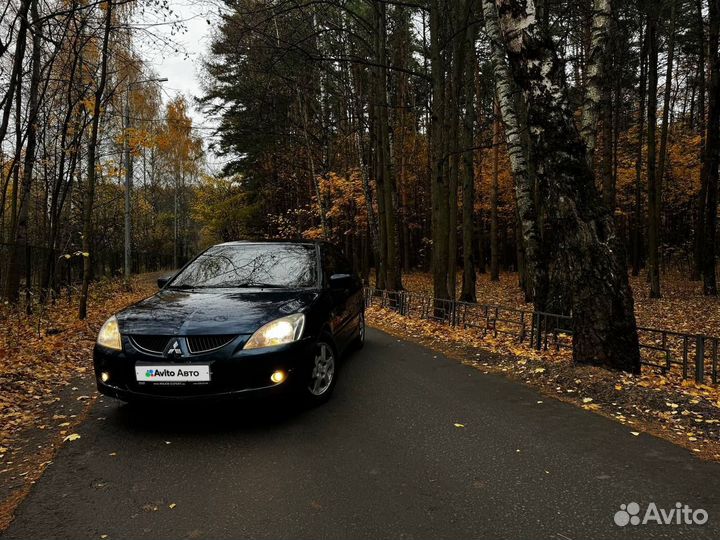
217,311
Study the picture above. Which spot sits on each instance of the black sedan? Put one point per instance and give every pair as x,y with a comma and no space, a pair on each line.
242,318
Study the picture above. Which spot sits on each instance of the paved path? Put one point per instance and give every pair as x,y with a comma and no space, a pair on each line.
381,460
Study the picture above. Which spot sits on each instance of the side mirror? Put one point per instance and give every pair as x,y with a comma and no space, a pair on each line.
340,281
162,281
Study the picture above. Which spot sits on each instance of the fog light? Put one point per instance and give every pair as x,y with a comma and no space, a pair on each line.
277,377
104,376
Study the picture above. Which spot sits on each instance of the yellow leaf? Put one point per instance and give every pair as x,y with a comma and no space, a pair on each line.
72,437
634,433
459,425
587,399
171,506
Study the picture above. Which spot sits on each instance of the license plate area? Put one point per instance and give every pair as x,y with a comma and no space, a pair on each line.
172,373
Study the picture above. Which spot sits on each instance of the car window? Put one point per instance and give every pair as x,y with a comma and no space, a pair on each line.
334,262
251,265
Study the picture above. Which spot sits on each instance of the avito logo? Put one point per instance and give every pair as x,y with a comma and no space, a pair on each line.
150,373
629,514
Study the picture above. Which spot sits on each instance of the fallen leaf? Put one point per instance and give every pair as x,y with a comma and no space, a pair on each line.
72,437
459,425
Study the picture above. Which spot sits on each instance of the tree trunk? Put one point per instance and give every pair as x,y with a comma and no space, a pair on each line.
381,262
20,232
653,188
606,166
364,164
494,255
16,73
516,139
439,179
89,197
712,151
468,179
60,186
662,158
595,75
393,279
699,240
638,213
311,162
582,240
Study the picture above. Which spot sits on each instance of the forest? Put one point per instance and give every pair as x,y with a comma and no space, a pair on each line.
574,143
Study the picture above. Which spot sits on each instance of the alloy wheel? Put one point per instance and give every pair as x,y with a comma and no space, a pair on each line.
323,370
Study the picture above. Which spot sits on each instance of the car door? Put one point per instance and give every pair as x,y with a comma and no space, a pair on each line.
342,311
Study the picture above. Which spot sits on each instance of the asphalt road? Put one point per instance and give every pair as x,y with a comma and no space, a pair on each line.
382,459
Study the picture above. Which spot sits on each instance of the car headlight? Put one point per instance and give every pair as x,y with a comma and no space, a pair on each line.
109,335
278,332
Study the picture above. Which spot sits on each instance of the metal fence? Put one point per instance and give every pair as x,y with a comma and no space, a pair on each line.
692,355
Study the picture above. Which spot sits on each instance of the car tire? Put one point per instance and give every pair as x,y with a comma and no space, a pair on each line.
359,342
321,376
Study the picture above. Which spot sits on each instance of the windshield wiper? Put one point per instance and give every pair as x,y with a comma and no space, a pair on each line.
252,285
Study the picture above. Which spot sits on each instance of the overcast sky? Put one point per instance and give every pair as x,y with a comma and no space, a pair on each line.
177,55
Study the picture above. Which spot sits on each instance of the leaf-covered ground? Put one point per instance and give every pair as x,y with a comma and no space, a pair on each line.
44,358
682,308
661,404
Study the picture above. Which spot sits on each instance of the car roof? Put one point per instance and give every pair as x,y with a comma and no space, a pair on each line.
276,241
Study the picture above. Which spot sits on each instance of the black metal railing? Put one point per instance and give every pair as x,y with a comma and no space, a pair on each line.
693,355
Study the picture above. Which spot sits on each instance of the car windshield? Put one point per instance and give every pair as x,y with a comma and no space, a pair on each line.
251,265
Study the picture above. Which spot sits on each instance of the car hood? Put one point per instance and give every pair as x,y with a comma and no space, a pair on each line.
220,311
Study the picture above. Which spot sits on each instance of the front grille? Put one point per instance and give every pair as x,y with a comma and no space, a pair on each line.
201,344
153,344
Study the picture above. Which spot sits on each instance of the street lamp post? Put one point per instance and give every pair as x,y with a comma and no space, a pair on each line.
129,175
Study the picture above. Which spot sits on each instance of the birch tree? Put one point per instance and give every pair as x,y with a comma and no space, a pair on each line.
582,243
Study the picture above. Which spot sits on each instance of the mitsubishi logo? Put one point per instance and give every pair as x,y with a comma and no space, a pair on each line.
174,350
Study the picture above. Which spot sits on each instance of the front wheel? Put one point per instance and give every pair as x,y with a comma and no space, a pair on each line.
323,373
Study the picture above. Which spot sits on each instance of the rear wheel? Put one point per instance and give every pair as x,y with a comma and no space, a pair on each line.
323,373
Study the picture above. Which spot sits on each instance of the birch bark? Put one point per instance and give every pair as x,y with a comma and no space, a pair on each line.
581,241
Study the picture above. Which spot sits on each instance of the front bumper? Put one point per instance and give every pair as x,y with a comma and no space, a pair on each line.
237,375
